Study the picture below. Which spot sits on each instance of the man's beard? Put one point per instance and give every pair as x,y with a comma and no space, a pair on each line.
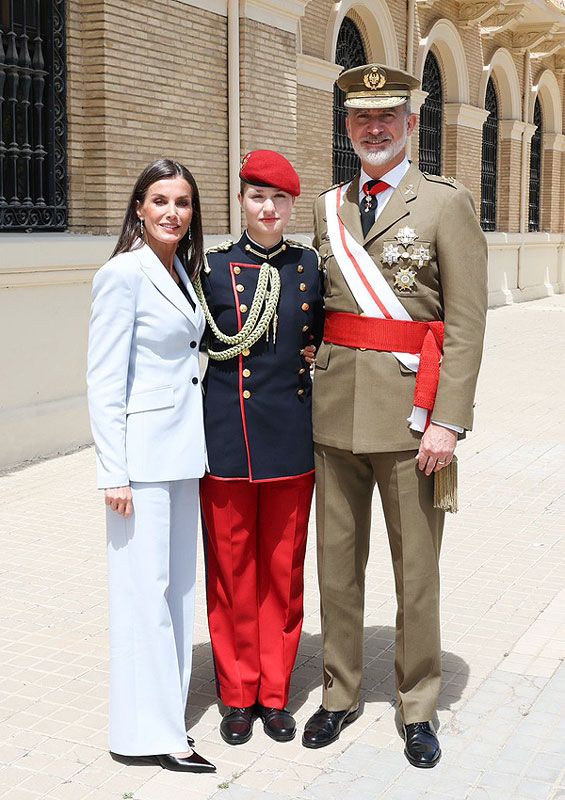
376,158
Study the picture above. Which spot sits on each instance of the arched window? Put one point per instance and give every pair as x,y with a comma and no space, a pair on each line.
535,170
489,160
431,117
350,52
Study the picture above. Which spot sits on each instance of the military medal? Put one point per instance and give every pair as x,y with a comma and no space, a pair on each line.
405,279
406,236
420,256
391,254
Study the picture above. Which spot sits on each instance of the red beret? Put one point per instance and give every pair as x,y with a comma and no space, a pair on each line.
268,168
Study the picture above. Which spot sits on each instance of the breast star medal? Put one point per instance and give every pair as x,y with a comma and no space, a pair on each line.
391,254
405,279
420,256
406,236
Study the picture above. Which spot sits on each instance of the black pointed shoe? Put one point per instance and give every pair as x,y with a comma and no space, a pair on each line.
236,726
192,763
421,746
278,723
324,727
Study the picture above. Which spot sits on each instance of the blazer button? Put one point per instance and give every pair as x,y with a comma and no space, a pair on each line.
247,394
243,308
245,352
240,287
305,328
302,287
301,371
237,270
195,381
305,307
300,268
300,392
246,373
193,344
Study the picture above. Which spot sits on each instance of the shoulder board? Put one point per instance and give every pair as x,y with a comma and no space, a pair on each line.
447,181
335,185
223,247
294,243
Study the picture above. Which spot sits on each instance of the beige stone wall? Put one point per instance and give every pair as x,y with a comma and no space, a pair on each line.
313,27
137,91
508,212
314,147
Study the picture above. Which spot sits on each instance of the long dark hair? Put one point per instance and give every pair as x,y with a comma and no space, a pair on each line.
190,249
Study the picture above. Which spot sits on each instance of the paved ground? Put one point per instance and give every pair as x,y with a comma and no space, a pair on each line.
503,565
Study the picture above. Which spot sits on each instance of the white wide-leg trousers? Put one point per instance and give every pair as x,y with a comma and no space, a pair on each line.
152,571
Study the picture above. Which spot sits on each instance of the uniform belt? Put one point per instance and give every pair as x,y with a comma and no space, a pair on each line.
390,336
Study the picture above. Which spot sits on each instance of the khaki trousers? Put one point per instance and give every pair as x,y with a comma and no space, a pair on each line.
344,489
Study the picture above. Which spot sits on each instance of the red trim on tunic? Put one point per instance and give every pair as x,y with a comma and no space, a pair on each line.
260,480
240,369
358,269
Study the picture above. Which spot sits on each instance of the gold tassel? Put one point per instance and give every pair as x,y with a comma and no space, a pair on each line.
445,488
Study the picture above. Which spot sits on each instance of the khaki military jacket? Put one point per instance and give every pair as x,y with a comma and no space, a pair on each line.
362,398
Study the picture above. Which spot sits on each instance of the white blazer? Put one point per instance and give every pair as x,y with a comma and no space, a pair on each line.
144,391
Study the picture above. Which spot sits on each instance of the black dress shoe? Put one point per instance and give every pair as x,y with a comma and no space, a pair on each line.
421,745
324,727
237,725
278,723
192,763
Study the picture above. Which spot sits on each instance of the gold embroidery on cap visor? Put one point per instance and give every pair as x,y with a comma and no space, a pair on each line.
380,100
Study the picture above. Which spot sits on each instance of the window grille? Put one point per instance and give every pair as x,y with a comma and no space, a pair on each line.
33,130
535,171
350,52
431,118
489,160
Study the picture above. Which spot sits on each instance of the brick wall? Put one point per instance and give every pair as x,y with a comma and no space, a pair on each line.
314,149
137,91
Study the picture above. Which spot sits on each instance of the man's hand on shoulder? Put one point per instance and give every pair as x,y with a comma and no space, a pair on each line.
436,448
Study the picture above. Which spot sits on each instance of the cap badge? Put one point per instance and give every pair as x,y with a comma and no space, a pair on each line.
374,78
244,160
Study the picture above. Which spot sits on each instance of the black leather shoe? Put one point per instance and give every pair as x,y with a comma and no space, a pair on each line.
192,763
278,723
237,725
324,727
421,745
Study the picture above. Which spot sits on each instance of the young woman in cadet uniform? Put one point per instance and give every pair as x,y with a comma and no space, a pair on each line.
262,298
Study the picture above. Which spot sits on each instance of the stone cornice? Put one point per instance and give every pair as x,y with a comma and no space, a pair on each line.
316,73
276,13
512,129
465,115
417,100
213,6
553,141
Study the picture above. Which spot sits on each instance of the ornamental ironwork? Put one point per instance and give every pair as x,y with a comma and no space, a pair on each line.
535,171
350,52
431,118
489,161
33,128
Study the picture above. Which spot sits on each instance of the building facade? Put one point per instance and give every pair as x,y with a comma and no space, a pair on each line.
92,90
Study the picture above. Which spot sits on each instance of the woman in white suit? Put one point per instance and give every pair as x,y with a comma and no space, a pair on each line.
145,403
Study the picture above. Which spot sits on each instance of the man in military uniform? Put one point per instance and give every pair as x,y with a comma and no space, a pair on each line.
406,292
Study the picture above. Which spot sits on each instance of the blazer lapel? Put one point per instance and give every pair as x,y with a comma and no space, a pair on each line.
397,206
196,316
162,281
349,212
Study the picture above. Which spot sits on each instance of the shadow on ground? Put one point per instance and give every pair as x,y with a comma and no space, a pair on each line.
378,676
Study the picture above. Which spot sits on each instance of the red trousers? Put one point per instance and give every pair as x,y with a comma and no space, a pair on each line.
256,546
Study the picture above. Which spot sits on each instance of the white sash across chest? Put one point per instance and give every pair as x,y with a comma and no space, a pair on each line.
368,285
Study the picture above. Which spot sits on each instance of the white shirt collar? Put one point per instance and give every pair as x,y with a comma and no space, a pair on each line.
392,177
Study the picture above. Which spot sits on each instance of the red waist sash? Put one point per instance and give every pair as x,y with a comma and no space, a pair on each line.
390,336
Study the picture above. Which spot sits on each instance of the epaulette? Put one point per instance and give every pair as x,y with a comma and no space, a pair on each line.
294,243
335,185
448,181
223,247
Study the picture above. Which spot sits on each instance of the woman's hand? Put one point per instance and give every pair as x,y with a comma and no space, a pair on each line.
119,499
309,354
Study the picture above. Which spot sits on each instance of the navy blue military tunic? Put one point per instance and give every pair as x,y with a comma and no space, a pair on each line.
258,406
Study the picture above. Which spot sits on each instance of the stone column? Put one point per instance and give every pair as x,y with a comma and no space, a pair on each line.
553,154
315,78
509,182
463,145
